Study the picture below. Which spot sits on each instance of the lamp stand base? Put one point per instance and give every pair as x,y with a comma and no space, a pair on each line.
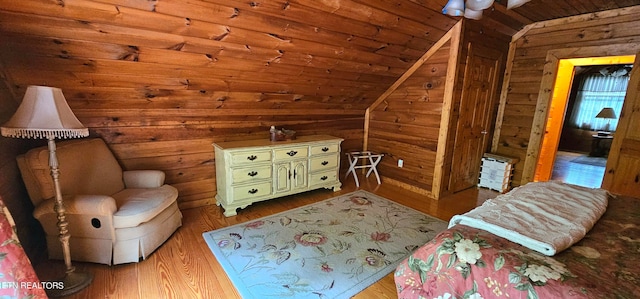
72,283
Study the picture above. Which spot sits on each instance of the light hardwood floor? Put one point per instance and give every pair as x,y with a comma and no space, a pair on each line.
576,173
184,267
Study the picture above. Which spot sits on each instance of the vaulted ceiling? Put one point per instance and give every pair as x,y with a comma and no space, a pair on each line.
322,50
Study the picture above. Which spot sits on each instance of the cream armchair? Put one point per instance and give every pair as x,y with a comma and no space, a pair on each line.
114,216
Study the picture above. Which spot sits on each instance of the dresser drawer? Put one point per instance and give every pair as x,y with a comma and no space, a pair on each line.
323,162
323,178
288,153
324,149
251,191
250,157
247,174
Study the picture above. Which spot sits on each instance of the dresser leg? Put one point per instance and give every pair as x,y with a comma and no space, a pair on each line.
230,212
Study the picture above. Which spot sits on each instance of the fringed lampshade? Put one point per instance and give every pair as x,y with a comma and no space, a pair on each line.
44,113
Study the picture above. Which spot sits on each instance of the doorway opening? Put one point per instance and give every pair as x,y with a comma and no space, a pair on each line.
579,167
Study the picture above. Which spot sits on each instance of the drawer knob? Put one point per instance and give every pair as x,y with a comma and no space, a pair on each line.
292,153
253,173
325,149
252,157
324,177
253,191
324,163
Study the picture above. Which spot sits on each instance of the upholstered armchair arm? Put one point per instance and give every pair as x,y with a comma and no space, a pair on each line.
80,204
143,178
87,215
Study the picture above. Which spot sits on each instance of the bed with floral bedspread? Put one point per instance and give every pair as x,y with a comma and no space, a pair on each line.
465,262
17,277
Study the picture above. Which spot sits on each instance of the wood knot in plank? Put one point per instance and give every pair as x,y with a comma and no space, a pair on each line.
177,47
132,54
89,63
278,37
64,54
223,35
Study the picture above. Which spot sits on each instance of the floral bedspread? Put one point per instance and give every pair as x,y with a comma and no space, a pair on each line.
17,277
464,262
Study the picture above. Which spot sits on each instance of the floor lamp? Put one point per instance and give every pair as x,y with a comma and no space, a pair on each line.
45,114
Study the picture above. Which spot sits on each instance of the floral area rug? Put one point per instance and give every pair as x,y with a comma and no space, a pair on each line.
330,249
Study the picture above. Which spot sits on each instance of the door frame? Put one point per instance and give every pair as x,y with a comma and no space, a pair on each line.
546,88
558,108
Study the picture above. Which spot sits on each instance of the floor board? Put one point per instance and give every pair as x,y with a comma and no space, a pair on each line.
184,267
565,169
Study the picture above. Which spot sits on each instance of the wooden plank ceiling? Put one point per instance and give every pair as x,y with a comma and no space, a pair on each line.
160,80
345,52
542,10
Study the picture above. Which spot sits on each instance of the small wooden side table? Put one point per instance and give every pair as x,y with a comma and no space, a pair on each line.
600,145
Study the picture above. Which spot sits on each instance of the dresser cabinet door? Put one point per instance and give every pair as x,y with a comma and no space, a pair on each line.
282,179
299,178
290,175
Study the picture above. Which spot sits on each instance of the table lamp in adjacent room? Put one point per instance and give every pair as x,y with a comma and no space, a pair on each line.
608,114
45,114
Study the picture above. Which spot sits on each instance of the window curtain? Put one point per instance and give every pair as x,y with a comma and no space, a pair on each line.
597,91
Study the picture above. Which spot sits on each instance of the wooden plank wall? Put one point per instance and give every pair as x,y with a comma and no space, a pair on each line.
524,99
623,167
162,80
407,124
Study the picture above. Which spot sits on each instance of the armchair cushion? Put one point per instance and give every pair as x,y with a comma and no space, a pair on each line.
137,206
143,178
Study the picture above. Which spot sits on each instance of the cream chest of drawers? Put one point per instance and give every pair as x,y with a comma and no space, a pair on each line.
249,171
